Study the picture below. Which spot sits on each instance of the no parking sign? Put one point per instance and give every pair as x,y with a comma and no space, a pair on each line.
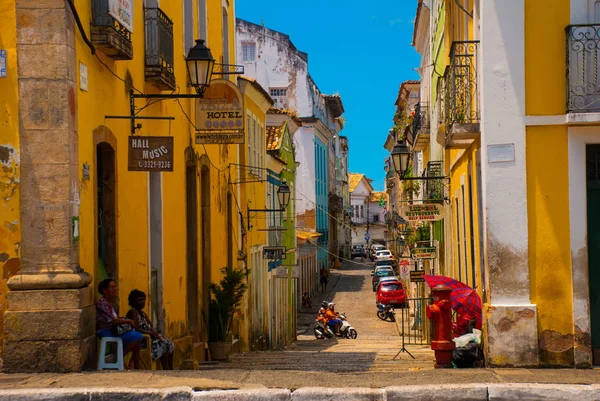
404,269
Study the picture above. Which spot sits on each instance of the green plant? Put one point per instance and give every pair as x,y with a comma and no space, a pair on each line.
225,299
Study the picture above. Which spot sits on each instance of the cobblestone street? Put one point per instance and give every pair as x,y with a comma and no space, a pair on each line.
373,351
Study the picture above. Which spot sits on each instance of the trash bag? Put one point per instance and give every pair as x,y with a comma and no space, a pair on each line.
465,357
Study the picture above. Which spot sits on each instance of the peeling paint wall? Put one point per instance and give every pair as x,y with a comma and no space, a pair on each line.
10,229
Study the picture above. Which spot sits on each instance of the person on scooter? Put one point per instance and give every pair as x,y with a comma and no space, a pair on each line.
322,310
333,320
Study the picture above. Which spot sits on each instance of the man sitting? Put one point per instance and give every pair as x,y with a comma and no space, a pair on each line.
306,301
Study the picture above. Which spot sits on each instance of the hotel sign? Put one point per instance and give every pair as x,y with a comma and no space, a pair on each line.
122,11
422,212
150,153
220,114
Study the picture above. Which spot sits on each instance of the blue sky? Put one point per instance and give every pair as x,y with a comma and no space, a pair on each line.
358,49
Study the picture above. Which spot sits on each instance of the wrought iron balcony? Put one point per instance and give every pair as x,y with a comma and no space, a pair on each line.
434,190
421,126
108,35
462,96
159,48
583,63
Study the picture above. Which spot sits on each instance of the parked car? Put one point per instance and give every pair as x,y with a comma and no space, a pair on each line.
374,249
393,263
383,254
390,291
381,272
357,251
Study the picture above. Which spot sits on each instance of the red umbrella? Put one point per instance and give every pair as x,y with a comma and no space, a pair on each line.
464,298
433,281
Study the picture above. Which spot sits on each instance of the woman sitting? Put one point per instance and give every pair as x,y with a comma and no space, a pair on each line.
162,347
108,324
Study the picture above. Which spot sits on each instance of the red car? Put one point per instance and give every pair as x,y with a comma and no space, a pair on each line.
391,292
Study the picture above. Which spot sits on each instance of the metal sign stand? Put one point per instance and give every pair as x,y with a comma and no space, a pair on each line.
403,349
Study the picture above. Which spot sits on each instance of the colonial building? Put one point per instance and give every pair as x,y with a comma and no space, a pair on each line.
519,168
272,59
82,200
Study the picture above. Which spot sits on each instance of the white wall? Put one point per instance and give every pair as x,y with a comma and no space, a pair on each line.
305,174
502,75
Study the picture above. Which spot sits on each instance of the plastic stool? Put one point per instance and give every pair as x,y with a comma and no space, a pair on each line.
102,364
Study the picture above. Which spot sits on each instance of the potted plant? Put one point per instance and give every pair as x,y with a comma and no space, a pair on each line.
225,299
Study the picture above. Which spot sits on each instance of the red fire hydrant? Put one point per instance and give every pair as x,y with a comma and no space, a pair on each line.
441,314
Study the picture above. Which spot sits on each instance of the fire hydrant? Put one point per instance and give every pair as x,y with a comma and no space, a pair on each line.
441,314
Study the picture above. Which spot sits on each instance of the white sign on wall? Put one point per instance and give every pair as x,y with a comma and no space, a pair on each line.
83,77
422,212
122,11
2,63
501,153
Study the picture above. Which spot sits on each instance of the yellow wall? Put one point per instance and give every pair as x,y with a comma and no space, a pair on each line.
107,95
461,159
10,230
549,239
545,58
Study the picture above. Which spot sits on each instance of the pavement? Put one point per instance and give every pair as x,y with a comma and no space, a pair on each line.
368,368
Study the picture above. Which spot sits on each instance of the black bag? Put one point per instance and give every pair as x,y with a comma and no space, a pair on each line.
464,357
120,329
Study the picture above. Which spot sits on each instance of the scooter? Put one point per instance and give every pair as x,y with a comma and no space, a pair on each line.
385,312
346,331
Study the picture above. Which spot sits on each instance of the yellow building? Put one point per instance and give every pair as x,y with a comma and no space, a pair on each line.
85,201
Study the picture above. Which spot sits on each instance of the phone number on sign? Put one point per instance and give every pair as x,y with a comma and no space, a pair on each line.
156,164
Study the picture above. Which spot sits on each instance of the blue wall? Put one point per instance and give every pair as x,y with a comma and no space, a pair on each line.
322,201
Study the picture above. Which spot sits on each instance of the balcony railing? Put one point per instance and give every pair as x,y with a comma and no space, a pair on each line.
421,119
462,96
159,48
434,190
108,34
583,65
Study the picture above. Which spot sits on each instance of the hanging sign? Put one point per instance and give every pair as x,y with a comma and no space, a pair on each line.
424,253
150,153
122,11
422,212
274,252
220,114
416,276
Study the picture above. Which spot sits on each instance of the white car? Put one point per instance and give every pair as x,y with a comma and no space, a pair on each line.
374,249
384,254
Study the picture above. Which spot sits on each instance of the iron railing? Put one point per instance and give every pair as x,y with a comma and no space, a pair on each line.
414,326
159,48
421,118
583,65
434,190
108,34
462,95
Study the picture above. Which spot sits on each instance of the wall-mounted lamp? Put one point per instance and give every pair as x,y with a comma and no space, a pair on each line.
283,196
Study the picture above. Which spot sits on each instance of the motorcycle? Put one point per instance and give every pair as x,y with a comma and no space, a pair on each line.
346,330
385,312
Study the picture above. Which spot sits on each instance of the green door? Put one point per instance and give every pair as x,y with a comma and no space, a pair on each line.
593,224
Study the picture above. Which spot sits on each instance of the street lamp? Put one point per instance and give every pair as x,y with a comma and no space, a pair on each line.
400,157
200,64
283,194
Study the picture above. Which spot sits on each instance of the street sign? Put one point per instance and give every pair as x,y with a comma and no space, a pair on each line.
416,276
404,269
367,236
424,253
274,252
422,212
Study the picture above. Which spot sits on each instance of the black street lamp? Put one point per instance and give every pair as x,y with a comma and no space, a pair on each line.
401,157
200,64
283,194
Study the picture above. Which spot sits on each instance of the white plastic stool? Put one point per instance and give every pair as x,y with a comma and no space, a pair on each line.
102,364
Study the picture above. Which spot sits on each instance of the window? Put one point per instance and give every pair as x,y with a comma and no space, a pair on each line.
248,51
188,26
279,95
375,218
202,19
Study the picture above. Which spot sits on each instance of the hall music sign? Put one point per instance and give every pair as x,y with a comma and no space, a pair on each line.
220,114
150,153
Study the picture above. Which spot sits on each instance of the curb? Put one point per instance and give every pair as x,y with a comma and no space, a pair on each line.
446,392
